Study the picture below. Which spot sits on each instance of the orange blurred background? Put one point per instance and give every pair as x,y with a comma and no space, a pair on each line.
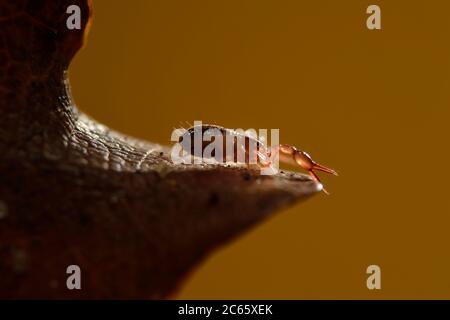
374,105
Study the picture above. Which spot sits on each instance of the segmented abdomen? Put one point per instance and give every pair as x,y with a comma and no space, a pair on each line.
234,146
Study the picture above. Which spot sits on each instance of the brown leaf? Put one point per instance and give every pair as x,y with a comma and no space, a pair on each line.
74,192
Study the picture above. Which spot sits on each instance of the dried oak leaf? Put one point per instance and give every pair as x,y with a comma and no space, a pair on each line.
73,192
